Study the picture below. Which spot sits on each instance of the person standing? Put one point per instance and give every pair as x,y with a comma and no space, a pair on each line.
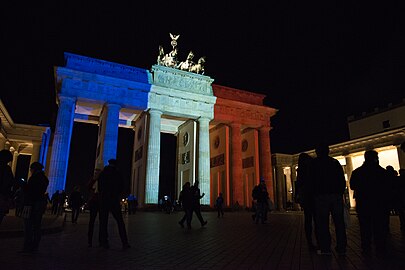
219,203
6,182
186,200
328,184
366,182
261,201
196,206
111,188
93,204
75,202
55,202
34,198
305,197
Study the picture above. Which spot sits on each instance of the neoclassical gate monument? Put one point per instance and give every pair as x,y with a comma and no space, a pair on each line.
172,97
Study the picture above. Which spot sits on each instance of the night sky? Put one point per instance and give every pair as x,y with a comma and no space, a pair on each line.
317,63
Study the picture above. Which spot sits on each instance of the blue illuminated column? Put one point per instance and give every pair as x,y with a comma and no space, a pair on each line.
204,159
108,135
153,163
61,144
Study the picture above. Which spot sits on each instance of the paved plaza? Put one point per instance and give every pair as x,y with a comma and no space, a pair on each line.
232,242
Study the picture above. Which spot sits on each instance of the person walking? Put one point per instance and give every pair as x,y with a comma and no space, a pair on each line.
219,203
305,197
366,183
328,184
111,188
196,206
186,200
75,202
6,183
35,200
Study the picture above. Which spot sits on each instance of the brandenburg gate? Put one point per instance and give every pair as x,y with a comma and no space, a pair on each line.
223,134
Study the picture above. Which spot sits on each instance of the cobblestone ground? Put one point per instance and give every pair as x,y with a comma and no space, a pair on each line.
232,242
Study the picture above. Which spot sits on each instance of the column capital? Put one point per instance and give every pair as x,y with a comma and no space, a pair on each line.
235,124
265,129
67,99
155,112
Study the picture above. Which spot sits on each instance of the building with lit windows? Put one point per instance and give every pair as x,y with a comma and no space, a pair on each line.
382,130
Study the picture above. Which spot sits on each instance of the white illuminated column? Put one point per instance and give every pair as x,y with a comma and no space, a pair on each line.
153,163
204,159
35,154
61,144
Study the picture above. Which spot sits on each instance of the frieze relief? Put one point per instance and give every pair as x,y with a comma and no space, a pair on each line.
181,80
241,113
98,88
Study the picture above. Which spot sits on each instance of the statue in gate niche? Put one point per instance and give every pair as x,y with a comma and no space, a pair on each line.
170,59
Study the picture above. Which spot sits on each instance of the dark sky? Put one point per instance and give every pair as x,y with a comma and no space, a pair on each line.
317,63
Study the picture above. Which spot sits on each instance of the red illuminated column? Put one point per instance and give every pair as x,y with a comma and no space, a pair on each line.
265,160
236,154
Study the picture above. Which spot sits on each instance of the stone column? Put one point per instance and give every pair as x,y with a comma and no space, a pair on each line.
265,160
401,157
3,143
36,146
280,179
61,144
204,158
349,170
236,157
15,159
153,161
109,134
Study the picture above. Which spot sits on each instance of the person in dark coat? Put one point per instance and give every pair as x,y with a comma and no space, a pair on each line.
111,188
6,182
93,205
305,197
75,202
196,207
186,200
55,202
219,204
328,184
261,201
371,203
34,197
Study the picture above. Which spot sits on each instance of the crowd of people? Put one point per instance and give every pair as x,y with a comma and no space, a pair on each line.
321,191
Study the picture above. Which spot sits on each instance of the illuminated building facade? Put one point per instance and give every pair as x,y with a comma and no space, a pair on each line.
382,130
25,142
169,100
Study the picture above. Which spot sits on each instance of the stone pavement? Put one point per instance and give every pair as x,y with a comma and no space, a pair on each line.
232,242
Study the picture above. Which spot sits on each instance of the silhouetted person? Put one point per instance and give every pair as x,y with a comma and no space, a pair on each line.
34,196
186,200
55,202
75,202
371,202
392,175
197,196
132,204
219,204
401,201
328,185
111,188
6,182
261,199
305,197
62,199
93,205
